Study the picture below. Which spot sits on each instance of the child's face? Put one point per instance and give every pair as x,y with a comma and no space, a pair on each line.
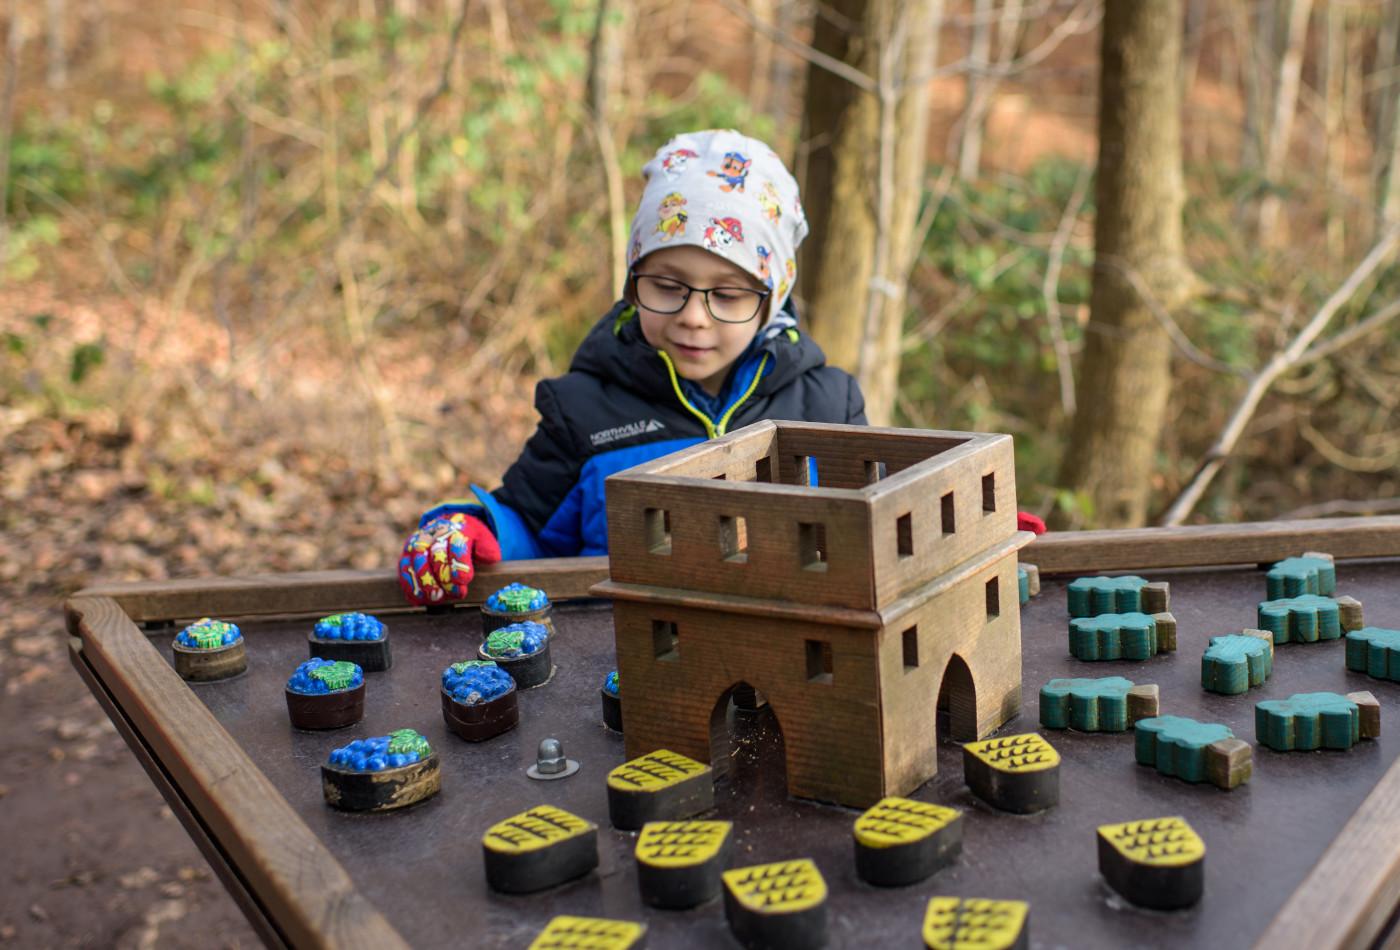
701,347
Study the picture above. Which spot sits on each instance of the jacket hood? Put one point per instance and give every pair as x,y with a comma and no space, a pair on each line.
615,350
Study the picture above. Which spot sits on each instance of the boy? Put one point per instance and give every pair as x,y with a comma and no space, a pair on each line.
702,343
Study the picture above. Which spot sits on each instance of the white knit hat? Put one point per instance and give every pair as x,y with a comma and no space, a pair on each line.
729,194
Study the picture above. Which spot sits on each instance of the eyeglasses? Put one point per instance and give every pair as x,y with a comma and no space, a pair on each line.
725,304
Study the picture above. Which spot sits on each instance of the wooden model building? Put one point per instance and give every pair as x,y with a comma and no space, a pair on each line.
859,579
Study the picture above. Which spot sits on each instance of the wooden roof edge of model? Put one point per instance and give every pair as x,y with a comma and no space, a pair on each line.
775,609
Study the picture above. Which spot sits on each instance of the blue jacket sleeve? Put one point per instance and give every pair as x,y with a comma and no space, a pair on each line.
541,481
526,513
517,541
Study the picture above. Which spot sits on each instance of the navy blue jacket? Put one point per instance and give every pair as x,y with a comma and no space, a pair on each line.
622,404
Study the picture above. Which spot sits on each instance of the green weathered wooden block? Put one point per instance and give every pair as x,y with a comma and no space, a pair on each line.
1193,751
1375,652
1106,704
1130,636
1307,721
1092,596
1234,663
1303,619
1295,576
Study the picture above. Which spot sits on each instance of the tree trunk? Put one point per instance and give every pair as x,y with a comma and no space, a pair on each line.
1125,371
865,168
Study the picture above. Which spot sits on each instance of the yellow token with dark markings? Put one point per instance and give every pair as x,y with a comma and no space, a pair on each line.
895,821
777,905
782,887
679,844
1028,752
679,862
655,770
538,848
971,923
1156,862
589,933
1018,773
1162,842
900,841
659,786
540,827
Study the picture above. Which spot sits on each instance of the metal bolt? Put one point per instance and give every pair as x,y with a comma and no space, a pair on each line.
550,762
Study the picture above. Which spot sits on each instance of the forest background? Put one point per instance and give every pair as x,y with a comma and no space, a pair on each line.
274,277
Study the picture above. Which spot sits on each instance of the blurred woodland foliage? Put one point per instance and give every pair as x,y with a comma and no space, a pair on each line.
353,233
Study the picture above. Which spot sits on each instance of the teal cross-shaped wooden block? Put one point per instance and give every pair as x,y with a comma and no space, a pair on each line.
1309,574
1193,751
1130,636
1375,652
1234,663
1106,704
1303,619
1091,596
1308,721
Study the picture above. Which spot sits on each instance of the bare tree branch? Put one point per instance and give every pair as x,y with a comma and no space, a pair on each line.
1351,334
810,53
1384,462
1282,361
1050,287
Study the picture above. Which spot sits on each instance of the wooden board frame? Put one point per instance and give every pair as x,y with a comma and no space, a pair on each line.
295,891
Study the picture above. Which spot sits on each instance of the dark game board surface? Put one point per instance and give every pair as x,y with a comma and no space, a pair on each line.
422,867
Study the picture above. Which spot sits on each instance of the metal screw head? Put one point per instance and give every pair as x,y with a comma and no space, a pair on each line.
550,758
550,762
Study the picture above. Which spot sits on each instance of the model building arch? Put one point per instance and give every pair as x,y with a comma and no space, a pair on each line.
906,530
735,713
957,701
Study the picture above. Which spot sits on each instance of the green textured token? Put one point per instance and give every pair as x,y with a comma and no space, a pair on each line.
518,600
505,641
464,665
405,741
335,675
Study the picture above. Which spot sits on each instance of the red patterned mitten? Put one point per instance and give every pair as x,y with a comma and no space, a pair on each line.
437,561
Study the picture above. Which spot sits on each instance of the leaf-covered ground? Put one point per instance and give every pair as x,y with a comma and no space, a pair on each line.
92,493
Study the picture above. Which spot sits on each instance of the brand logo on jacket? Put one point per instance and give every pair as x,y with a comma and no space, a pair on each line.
640,427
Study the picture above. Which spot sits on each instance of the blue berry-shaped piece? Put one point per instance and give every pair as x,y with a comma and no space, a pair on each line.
352,626
517,598
207,634
476,681
317,676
